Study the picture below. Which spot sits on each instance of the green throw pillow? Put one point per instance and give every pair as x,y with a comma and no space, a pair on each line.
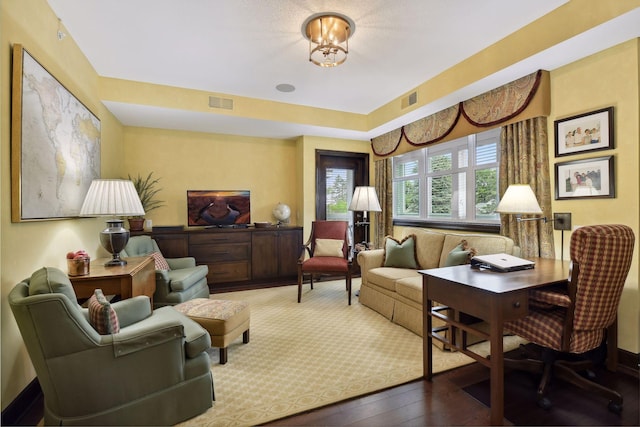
459,255
400,254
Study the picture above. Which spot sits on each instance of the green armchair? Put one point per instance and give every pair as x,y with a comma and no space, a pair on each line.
154,371
182,281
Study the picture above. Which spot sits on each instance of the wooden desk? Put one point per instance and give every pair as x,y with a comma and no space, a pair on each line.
491,296
138,277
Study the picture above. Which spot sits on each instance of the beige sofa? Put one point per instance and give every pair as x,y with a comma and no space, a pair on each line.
396,293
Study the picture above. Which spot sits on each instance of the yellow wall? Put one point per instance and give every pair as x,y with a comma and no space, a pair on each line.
27,246
199,161
609,78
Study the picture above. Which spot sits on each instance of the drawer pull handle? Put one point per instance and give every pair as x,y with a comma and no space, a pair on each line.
516,304
221,253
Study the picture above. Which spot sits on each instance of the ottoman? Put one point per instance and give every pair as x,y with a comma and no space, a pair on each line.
224,320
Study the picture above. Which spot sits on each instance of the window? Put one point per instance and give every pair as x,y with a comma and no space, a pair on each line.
456,181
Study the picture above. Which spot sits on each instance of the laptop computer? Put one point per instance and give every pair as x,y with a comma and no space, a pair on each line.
501,262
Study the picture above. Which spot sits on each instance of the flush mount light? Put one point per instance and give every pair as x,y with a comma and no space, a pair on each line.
328,35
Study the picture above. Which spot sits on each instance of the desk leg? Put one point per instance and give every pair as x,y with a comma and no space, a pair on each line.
496,363
427,341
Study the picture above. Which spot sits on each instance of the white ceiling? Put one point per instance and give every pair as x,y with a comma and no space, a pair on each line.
247,47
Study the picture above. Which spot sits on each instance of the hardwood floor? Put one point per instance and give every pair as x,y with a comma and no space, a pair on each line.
444,401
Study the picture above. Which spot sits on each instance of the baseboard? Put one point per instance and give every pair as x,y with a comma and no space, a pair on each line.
25,406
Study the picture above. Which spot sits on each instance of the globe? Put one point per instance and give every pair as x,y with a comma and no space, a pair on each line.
282,212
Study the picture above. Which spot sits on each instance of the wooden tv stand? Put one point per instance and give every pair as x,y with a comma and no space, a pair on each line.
238,258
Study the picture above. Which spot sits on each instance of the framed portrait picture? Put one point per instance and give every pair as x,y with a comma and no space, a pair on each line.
585,132
588,178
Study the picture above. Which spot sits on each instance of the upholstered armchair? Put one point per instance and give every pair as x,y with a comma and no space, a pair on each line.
177,279
326,252
153,371
572,324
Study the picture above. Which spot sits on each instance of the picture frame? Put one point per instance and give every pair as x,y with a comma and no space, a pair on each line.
591,131
587,178
55,144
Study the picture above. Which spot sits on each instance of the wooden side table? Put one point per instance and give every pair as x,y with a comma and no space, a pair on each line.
138,277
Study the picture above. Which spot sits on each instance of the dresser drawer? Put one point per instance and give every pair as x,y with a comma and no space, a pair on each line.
229,272
219,238
221,253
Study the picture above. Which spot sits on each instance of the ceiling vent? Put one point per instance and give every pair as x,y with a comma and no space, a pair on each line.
410,100
224,103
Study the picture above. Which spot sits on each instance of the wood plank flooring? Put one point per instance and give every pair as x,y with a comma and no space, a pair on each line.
444,401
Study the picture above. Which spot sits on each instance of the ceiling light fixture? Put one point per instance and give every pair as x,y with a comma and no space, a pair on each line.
328,35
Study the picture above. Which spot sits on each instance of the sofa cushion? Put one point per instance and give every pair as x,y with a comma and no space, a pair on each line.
385,277
411,288
328,247
400,254
460,255
428,246
102,316
49,280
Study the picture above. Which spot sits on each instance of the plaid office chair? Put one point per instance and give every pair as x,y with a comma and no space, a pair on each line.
577,320
329,253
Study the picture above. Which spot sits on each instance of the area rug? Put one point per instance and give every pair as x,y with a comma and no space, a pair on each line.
304,356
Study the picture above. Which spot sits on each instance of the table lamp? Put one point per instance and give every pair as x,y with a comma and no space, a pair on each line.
112,197
365,199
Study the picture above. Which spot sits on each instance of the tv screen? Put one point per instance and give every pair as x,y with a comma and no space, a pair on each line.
218,208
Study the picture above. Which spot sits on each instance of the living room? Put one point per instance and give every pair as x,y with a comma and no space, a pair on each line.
187,160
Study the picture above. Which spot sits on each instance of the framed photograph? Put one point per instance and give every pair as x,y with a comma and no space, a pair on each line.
589,178
585,132
55,145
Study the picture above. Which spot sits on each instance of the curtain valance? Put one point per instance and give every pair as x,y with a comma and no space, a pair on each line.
518,100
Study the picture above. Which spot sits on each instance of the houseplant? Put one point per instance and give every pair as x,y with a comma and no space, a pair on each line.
147,188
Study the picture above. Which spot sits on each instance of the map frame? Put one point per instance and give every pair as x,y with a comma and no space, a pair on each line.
67,201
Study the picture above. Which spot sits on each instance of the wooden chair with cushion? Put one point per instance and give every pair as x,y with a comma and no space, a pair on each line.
326,252
572,324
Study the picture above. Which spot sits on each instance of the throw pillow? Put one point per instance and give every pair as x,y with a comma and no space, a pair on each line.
460,255
102,316
161,262
328,247
401,254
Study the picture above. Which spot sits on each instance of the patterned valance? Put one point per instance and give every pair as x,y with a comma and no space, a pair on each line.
490,109
503,103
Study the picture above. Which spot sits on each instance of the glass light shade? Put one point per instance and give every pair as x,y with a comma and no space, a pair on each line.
112,197
519,199
328,35
365,199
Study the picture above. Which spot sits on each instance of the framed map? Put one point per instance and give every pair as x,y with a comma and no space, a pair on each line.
55,144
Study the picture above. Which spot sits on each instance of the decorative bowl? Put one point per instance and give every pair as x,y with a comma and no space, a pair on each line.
262,224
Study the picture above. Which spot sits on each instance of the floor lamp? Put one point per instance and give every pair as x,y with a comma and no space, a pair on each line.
116,198
364,199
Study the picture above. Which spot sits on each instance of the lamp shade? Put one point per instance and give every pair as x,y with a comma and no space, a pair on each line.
112,197
519,199
365,199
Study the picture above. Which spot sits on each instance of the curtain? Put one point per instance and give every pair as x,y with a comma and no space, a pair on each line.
384,189
524,159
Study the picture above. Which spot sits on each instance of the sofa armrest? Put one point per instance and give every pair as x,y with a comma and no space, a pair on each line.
368,260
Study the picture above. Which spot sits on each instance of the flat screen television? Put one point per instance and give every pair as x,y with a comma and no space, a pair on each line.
217,208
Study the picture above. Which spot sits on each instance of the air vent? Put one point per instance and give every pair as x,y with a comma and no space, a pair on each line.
225,103
410,100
